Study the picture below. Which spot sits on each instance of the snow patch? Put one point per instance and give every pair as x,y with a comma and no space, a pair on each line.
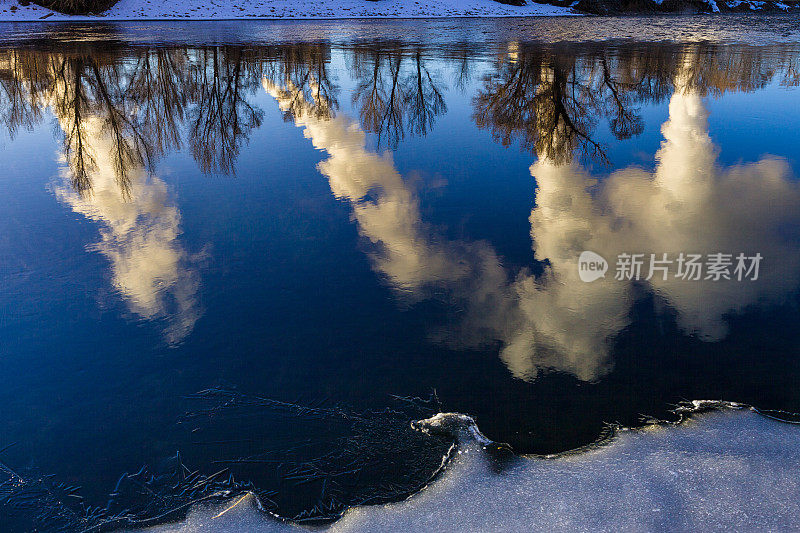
723,470
286,9
462,427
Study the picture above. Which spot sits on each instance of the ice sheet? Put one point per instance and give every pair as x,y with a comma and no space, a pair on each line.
725,470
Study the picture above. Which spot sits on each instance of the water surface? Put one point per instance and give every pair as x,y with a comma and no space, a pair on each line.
305,226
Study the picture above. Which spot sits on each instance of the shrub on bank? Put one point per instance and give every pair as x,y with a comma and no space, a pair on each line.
76,7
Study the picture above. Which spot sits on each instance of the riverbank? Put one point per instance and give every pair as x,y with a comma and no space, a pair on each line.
126,10
284,9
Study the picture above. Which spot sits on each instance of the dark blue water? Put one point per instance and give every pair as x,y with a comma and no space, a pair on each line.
333,223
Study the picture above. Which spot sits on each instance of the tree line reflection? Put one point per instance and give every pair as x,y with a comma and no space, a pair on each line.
549,99
118,110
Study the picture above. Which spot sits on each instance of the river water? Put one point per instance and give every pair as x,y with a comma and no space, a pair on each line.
247,254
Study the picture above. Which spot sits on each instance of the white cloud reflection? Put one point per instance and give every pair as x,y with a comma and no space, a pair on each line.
689,203
139,230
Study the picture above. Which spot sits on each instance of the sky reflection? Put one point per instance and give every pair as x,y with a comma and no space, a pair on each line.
555,321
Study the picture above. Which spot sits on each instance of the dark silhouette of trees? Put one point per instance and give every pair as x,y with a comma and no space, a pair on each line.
18,105
138,101
77,7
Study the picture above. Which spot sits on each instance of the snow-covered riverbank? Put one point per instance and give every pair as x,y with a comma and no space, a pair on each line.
285,9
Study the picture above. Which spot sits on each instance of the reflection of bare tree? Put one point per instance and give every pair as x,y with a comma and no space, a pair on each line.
304,68
377,71
551,99
71,104
540,98
137,100
395,91
463,58
86,91
424,99
222,116
791,72
18,106
116,114
130,148
157,85
624,120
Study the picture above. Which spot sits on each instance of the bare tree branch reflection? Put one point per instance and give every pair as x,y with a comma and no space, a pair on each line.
541,99
550,99
396,92
222,116
424,100
72,105
18,103
158,86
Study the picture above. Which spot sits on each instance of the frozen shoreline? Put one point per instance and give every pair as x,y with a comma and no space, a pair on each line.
729,469
285,10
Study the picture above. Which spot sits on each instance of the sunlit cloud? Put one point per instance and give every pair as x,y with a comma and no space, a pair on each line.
688,204
139,236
